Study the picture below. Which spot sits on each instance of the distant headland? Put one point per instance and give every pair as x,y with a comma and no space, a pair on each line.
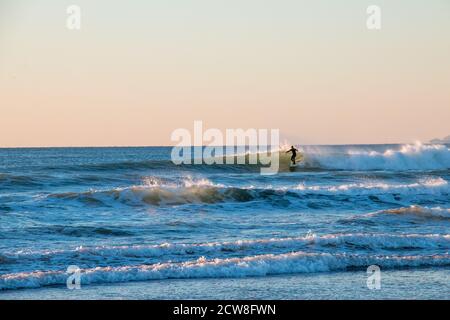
445,140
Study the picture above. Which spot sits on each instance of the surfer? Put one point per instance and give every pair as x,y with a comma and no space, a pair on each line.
294,153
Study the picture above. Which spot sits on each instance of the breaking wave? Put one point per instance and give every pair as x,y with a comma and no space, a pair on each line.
397,158
406,157
204,191
250,266
310,242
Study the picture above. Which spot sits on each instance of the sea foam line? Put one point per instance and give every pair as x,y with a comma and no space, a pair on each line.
259,265
365,241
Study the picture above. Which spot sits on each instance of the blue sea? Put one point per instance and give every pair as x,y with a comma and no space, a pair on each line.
140,227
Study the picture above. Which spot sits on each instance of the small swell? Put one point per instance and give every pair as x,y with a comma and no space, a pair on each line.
79,231
12,181
416,211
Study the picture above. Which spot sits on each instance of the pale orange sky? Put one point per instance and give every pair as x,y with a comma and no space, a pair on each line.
137,70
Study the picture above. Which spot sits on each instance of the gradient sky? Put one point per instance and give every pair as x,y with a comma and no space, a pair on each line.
137,70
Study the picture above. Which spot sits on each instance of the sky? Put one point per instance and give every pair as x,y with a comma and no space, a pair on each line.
138,70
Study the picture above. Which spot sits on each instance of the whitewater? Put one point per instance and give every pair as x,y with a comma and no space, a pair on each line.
135,223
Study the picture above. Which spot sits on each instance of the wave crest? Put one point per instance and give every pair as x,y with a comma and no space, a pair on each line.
416,211
406,157
110,254
250,266
156,193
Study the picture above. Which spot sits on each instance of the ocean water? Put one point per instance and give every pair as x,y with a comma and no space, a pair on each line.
136,224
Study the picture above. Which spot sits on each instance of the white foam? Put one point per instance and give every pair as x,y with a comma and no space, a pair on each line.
186,182
408,157
424,186
312,242
259,265
204,191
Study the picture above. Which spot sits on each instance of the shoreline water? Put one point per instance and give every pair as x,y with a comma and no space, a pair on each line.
408,284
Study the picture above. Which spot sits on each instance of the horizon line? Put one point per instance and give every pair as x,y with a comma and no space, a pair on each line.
167,146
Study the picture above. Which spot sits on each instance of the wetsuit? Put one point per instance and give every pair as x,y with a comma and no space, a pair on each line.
294,154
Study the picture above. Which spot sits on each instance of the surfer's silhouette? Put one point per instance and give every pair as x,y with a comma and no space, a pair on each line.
294,153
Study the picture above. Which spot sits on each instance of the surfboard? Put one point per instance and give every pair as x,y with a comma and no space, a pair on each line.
292,166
